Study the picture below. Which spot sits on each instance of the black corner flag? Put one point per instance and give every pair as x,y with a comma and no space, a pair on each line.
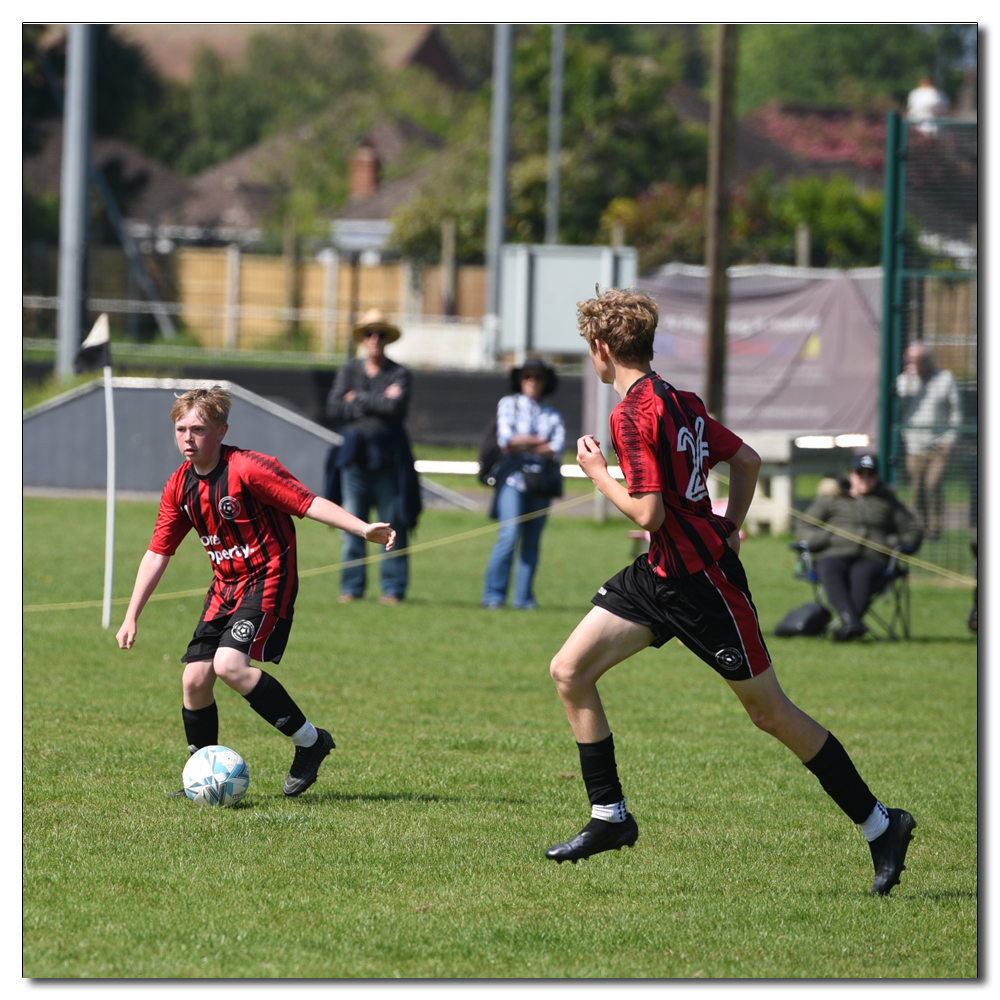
95,351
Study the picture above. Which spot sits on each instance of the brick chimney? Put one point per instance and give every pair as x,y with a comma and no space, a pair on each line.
364,172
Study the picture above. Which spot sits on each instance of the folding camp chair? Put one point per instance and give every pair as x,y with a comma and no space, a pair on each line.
890,622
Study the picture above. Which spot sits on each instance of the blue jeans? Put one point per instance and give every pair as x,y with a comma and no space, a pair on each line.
362,490
511,503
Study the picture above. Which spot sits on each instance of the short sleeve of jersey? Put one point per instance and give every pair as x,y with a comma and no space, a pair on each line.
172,523
722,442
637,449
272,483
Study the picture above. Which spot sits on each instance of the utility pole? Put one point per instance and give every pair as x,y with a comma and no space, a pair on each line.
720,162
555,134
73,195
499,151
138,278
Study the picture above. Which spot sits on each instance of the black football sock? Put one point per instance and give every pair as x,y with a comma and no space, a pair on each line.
841,781
600,773
274,704
201,726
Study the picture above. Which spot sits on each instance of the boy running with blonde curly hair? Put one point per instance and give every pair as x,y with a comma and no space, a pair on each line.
690,584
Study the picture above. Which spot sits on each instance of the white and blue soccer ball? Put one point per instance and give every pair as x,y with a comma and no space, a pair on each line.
216,776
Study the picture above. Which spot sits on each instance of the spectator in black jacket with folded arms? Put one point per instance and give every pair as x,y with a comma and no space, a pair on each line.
374,465
851,572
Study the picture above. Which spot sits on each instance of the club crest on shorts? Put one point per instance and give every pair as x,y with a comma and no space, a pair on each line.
230,508
729,658
243,630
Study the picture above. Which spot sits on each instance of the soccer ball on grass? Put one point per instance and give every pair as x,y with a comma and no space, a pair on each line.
216,776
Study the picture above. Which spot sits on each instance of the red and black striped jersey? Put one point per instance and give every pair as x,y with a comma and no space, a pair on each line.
240,512
666,442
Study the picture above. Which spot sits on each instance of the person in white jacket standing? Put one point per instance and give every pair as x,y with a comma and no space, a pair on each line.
931,411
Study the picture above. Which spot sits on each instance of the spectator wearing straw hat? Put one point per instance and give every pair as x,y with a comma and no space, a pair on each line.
374,465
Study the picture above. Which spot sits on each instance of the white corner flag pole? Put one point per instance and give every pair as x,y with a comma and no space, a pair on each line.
109,531
95,352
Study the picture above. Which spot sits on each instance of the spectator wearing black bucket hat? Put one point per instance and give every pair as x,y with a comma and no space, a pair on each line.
851,572
532,436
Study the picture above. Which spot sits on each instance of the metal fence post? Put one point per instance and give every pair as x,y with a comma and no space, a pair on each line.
73,190
230,335
602,431
555,134
889,311
522,303
331,272
499,150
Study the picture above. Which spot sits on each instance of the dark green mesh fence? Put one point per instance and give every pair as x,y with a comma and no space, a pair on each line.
932,172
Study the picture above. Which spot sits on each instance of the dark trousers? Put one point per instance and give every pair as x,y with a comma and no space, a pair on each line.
850,584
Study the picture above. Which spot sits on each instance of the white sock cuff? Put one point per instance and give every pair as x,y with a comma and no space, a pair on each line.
876,824
306,736
614,813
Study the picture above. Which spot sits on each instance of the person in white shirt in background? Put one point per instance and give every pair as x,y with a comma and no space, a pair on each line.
925,103
930,410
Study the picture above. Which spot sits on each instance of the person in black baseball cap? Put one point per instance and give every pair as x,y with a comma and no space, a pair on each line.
852,573
865,463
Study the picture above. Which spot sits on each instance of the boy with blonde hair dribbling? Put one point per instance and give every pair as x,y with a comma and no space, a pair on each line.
690,584
239,503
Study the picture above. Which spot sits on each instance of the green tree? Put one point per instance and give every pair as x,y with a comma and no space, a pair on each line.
619,134
471,46
667,223
857,64
37,102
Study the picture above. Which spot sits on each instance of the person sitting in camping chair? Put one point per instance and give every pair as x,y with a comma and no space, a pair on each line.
850,572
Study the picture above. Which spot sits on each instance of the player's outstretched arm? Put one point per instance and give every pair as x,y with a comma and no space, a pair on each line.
150,570
329,513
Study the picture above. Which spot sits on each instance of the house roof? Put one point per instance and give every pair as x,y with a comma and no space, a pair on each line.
386,199
795,139
241,191
839,137
234,196
153,188
171,48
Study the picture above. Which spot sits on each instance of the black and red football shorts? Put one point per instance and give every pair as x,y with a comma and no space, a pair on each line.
711,612
261,636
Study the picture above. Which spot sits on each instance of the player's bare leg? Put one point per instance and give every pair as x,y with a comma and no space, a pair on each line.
771,710
888,831
599,642
198,681
233,666
268,698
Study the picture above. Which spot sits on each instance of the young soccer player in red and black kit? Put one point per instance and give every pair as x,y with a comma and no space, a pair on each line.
239,503
690,584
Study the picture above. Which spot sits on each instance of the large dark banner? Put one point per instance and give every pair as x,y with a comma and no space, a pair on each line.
803,352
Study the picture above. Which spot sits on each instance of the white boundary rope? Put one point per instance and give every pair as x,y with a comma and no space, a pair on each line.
967,581
333,567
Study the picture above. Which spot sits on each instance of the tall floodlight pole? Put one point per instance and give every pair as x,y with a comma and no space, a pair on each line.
73,195
555,134
497,209
720,157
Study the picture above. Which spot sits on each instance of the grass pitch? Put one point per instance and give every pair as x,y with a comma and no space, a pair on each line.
419,851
